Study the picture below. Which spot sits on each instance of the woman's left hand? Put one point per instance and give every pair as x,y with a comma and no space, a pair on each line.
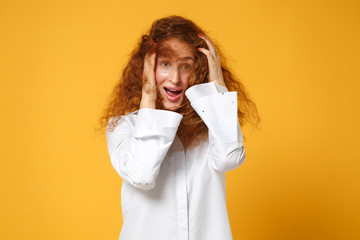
215,72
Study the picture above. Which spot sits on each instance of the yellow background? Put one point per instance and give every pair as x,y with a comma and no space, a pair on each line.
298,59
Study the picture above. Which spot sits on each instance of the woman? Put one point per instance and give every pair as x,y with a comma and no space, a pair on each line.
173,131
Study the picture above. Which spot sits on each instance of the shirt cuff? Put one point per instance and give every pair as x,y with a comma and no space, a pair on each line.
156,122
219,113
217,107
204,89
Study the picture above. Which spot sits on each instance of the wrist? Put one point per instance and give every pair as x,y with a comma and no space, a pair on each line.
219,82
148,101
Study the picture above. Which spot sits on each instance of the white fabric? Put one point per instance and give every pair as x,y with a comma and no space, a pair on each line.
169,193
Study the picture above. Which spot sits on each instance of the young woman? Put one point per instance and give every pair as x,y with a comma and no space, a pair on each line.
173,131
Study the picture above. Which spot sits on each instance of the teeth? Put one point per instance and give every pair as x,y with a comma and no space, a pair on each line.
172,90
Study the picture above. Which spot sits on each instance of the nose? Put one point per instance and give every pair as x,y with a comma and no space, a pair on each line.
174,76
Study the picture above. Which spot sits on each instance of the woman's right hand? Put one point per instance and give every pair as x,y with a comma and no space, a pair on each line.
148,99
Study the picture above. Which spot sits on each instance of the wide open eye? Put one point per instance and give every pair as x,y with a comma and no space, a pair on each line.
185,67
165,64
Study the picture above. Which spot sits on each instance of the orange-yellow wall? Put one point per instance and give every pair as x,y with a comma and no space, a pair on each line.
298,59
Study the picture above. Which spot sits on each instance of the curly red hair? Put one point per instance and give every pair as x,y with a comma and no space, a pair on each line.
127,93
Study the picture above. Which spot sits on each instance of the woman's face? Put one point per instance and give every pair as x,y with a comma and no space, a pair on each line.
173,69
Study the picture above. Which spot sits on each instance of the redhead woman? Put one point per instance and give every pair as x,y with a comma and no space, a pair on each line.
173,130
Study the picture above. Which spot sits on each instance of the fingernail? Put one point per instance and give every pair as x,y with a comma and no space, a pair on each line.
198,49
153,52
199,35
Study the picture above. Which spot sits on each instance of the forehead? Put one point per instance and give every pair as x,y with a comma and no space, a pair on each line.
176,48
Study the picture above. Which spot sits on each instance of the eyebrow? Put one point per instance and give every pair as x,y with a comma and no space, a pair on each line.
187,58
180,58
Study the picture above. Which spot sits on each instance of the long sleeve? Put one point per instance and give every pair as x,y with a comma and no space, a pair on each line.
218,109
138,145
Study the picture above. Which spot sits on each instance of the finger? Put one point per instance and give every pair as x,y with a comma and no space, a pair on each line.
151,69
149,62
146,67
209,56
209,43
152,61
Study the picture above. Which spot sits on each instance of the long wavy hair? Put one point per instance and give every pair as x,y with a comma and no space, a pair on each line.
127,93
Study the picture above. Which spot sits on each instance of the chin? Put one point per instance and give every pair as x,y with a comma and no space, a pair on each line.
171,107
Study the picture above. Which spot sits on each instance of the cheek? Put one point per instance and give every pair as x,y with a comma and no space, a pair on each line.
186,80
160,75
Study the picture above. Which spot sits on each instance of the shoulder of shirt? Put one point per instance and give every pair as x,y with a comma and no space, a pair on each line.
128,118
128,115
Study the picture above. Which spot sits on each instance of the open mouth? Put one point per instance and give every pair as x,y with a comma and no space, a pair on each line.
172,94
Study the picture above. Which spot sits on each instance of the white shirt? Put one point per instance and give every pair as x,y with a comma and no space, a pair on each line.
169,193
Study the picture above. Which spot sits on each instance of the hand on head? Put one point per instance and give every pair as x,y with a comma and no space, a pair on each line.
148,99
215,72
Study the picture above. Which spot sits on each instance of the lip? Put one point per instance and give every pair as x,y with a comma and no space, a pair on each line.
173,98
174,88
